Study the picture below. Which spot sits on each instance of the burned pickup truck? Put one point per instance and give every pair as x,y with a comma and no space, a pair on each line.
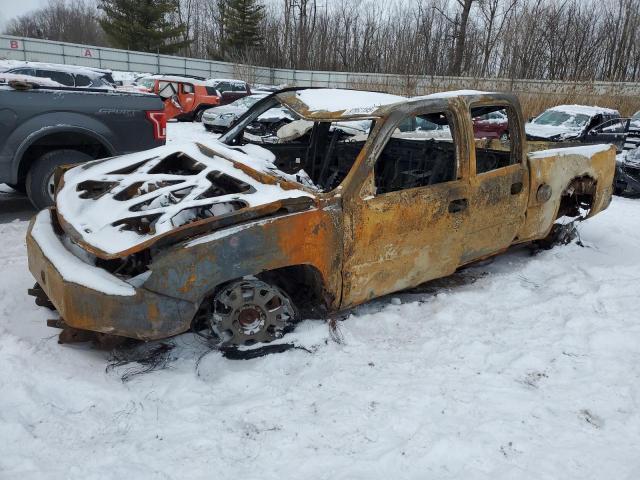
243,235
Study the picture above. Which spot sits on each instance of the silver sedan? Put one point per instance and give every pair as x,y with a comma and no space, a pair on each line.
218,119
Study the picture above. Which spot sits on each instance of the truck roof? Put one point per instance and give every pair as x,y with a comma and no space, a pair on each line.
318,103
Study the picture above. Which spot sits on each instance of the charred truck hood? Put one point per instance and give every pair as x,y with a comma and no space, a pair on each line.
120,206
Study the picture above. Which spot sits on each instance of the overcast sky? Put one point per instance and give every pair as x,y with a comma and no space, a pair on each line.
13,8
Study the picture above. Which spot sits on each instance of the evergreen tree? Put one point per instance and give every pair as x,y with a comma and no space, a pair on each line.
243,19
143,25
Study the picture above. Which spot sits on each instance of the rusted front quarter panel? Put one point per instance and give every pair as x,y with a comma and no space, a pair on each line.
145,315
193,269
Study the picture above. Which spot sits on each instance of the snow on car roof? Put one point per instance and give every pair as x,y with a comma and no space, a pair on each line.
214,81
449,94
18,77
174,78
584,110
58,67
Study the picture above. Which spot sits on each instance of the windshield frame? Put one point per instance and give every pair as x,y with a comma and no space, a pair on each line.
232,137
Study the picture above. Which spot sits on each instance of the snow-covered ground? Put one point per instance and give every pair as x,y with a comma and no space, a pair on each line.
526,367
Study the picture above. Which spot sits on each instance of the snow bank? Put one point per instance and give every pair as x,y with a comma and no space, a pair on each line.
522,368
526,373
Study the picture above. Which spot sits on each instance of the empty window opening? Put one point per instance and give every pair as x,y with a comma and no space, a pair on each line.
492,127
420,152
319,153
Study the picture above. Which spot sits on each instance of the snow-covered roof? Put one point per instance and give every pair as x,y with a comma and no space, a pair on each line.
585,110
17,77
334,102
213,81
449,94
176,78
58,67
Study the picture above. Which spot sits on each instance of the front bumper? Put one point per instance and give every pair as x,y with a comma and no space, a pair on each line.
627,180
90,298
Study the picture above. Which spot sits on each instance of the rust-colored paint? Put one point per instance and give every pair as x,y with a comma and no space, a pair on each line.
362,244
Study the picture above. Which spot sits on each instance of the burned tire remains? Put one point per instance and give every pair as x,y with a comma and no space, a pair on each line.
250,311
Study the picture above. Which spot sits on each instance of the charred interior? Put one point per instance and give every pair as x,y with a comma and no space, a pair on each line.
126,267
323,151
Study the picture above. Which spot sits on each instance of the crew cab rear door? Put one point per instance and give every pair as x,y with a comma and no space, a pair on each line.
406,225
499,182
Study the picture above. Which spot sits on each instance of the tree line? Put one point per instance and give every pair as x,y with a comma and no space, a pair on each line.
578,40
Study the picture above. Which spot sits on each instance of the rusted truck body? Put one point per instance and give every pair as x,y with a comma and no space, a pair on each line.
247,234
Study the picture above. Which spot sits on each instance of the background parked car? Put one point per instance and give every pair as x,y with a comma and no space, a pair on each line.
218,119
492,125
67,75
229,90
570,122
185,98
627,179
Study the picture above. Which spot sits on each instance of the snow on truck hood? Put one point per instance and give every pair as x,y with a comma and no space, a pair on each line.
117,204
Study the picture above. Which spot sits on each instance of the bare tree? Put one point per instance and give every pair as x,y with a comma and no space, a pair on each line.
65,20
543,39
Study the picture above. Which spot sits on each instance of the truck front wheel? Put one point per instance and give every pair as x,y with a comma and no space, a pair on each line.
39,184
251,311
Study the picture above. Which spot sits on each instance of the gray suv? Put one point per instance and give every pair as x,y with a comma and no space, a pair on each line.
68,76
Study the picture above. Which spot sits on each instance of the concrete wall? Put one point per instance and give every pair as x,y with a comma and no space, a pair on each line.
18,48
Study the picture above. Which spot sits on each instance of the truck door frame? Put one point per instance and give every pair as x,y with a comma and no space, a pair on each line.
403,238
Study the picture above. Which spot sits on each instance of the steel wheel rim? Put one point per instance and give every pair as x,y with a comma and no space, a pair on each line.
250,311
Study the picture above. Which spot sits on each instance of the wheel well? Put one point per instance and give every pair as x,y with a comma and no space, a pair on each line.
579,195
305,286
60,140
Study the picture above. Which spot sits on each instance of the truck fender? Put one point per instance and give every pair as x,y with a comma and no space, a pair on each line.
42,126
